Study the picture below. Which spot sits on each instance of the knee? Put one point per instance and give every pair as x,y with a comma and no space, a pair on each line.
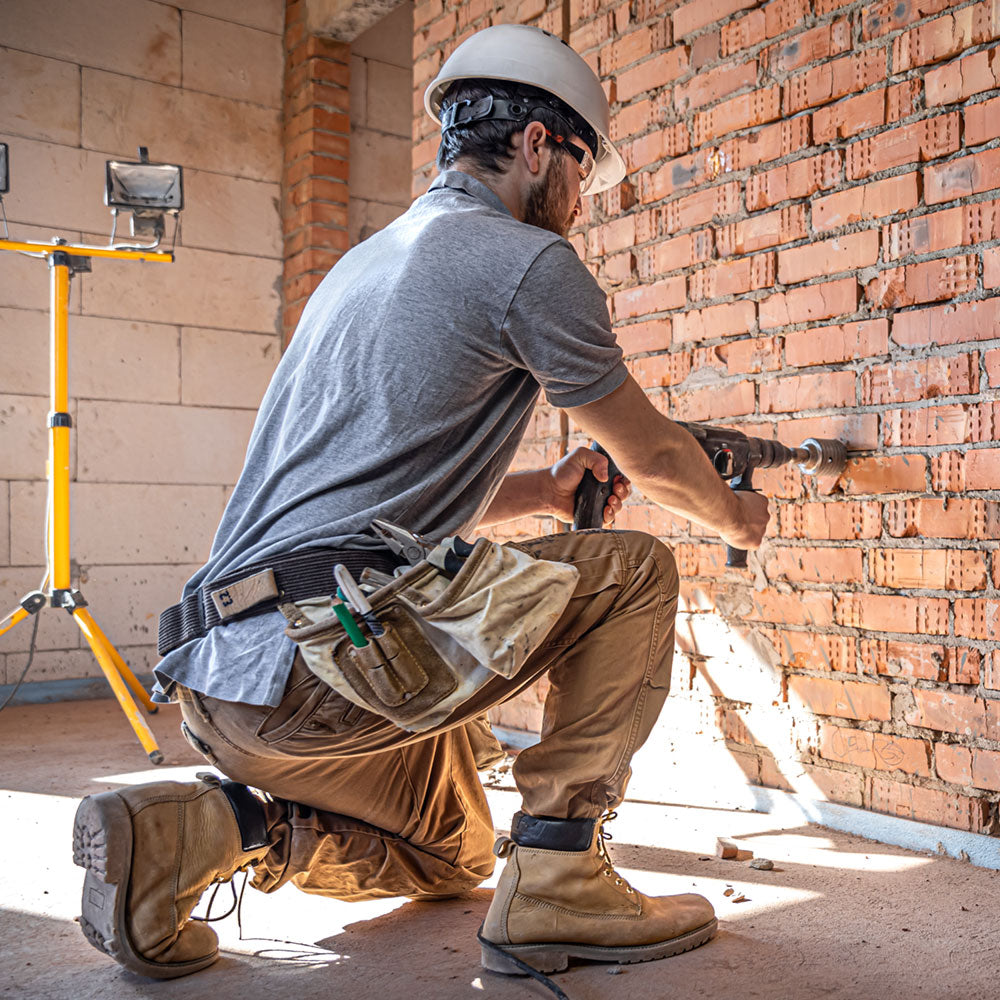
647,555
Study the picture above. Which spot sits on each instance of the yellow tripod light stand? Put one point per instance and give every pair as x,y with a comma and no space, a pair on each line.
64,260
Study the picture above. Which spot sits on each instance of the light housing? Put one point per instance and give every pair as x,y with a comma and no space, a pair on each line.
148,190
4,169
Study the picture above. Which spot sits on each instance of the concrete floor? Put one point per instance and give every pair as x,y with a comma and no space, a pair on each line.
838,917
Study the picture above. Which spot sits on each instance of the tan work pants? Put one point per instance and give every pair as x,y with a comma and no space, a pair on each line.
364,809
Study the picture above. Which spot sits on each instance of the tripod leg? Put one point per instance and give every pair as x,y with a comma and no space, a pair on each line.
123,668
18,616
93,635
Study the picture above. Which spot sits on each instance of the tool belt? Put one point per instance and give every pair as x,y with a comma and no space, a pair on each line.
443,636
261,587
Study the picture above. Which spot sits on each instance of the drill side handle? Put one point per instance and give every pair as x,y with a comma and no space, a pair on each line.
592,495
737,558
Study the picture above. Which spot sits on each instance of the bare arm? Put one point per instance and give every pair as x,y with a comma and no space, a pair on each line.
667,465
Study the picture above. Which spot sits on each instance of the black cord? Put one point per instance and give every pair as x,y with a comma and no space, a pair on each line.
27,666
523,966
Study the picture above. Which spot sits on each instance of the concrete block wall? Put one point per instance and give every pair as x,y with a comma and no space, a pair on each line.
168,361
806,245
381,123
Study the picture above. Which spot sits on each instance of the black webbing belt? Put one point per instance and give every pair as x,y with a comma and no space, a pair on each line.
298,575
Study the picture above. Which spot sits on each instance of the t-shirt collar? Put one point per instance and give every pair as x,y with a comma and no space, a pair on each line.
469,184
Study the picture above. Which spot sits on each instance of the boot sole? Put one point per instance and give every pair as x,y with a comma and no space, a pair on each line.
102,846
555,957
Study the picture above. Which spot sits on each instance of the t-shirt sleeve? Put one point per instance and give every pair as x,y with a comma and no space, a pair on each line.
558,328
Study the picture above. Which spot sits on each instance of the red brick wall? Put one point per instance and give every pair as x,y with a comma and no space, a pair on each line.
314,178
807,245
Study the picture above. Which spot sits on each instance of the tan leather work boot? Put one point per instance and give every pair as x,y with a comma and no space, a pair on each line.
150,851
552,904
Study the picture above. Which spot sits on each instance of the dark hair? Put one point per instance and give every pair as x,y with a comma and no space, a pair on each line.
488,143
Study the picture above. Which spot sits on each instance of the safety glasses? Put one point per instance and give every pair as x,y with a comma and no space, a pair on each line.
584,158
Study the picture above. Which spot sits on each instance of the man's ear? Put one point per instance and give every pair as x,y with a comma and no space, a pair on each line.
532,143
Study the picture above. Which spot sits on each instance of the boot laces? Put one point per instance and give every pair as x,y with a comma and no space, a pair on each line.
603,836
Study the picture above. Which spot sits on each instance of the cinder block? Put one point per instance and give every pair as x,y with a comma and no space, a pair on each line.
232,60
231,213
222,368
135,37
389,89
200,288
57,186
390,39
120,359
180,126
123,523
268,15
150,443
56,630
380,167
359,92
41,98
24,347
126,601
25,435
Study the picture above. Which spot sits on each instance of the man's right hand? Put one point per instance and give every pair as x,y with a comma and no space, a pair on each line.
749,532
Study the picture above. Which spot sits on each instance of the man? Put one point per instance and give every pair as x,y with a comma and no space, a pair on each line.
404,395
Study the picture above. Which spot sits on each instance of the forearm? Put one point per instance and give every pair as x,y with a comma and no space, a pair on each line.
521,494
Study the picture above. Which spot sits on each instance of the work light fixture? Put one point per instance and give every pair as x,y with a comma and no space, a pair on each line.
4,170
150,191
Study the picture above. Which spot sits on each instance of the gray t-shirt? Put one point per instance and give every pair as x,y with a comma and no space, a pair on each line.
403,395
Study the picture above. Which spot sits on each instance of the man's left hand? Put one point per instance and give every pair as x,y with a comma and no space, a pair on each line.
566,476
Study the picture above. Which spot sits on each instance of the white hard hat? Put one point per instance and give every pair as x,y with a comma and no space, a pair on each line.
521,54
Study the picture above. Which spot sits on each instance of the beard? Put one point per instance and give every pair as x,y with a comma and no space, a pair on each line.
547,202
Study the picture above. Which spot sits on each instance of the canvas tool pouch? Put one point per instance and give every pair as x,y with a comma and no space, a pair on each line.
444,638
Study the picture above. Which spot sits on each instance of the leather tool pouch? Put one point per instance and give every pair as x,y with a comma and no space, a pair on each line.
444,638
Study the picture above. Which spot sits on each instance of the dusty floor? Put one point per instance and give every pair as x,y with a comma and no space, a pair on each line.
838,917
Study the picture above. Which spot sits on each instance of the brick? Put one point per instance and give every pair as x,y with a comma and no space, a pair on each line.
945,278
742,112
844,253
849,117
982,469
846,787
695,14
977,618
964,666
807,392
652,74
624,50
814,565
813,302
830,521
918,142
813,650
925,379
784,15
884,474
701,207
761,231
631,119
732,277
986,769
902,100
933,518
892,613
808,46
953,763
962,226
932,569
726,320
859,431
662,370
743,33
712,85
880,751
943,37
833,79
963,78
831,344
842,699
950,324
646,299
992,364
619,234
962,177
953,424
675,254
948,712
892,15
893,658
928,805
667,141
948,472
806,607
794,180
866,201
982,121
747,357
772,142
991,268
719,401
